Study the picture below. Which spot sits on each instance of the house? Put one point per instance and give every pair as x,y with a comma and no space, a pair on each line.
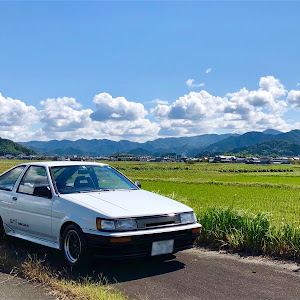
240,160
281,160
224,159
252,160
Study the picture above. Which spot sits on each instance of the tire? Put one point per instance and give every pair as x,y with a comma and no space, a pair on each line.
74,246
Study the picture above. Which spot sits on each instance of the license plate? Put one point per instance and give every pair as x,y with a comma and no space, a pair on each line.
162,247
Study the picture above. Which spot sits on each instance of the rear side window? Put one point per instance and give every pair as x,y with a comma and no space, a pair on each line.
34,181
8,180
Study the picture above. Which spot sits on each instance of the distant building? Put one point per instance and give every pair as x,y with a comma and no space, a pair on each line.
144,158
280,161
266,160
252,160
224,159
182,159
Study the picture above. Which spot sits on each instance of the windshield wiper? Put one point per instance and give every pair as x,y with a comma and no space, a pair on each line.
99,190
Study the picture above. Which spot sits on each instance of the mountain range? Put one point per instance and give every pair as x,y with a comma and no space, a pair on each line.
11,148
257,143
183,145
277,148
263,143
252,138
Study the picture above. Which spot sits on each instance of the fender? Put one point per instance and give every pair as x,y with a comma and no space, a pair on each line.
65,210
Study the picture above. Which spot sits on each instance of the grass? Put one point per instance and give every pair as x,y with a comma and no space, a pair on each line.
16,258
65,287
239,231
6,164
280,204
272,190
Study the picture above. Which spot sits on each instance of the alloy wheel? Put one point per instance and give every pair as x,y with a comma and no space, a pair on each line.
72,246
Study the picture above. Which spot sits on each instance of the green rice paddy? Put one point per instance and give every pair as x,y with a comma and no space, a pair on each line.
272,190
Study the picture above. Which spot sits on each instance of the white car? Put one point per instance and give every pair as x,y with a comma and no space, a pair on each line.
79,207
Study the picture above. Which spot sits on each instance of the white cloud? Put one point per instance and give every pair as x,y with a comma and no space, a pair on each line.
118,118
201,112
294,98
273,86
17,113
194,106
158,101
298,83
160,111
64,118
139,130
16,118
118,109
208,70
259,99
64,115
190,83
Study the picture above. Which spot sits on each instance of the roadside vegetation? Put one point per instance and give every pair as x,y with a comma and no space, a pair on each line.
230,229
64,286
44,267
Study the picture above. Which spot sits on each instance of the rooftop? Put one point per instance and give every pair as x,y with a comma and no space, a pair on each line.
64,163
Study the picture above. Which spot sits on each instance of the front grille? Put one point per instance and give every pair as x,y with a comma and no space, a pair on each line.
140,245
160,224
158,221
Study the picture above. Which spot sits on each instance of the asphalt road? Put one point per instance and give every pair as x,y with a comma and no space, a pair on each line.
15,288
192,274
200,274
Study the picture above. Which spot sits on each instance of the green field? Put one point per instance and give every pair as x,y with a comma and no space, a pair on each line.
273,190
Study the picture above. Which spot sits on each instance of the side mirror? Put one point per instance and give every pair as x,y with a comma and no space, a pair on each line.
42,191
138,184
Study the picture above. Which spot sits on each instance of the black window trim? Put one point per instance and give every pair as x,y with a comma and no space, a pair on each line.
27,169
11,169
53,182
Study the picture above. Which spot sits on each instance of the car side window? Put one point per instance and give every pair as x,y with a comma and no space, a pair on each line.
8,180
35,182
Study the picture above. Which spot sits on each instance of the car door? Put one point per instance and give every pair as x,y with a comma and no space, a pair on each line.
7,183
31,205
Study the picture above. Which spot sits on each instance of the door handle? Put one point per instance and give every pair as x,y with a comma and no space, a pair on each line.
15,198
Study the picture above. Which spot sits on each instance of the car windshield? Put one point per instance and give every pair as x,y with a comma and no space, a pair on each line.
88,178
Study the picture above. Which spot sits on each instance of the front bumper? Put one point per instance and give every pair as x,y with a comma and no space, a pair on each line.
141,244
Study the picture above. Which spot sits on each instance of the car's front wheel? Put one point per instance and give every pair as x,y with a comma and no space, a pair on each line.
74,245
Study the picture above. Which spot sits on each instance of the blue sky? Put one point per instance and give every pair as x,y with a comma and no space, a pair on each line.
136,52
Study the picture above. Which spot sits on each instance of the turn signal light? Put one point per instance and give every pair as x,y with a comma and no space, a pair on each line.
120,240
98,223
196,230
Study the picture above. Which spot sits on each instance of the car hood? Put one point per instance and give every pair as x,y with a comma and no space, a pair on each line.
128,203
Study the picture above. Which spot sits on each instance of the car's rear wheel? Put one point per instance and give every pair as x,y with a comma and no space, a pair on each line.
74,245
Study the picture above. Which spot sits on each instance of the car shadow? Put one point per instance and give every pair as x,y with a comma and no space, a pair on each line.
108,271
133,269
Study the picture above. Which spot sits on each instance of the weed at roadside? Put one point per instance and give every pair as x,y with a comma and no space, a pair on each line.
241,231
64,286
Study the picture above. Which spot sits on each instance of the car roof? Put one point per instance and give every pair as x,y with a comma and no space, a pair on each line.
63,163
